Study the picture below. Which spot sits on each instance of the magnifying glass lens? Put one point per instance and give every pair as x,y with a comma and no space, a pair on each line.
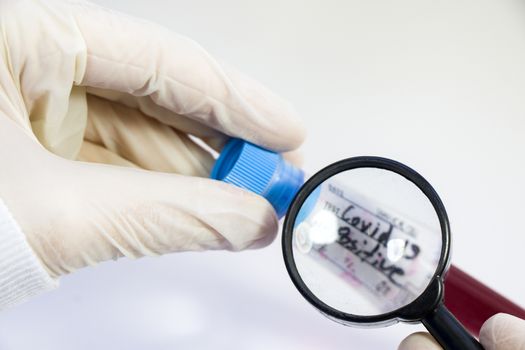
366,241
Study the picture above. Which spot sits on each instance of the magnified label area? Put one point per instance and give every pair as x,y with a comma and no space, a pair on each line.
367,241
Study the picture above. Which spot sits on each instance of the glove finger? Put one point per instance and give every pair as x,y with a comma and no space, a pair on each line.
144,141
95,153
503,332
145,60
151,109
419,341
211,137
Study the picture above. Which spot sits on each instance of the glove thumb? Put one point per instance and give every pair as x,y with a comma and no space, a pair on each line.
111,211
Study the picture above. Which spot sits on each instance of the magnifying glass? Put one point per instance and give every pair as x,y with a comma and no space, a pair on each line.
367,242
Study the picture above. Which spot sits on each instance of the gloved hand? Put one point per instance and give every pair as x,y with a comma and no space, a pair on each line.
500,332
81,82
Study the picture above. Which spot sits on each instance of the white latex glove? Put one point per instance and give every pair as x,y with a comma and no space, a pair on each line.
500,332
80,81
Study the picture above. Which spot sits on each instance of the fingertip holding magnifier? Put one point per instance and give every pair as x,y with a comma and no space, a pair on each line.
365,240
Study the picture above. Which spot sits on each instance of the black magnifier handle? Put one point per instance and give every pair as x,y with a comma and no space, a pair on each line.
448,331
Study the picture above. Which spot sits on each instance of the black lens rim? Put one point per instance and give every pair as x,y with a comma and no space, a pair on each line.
432,295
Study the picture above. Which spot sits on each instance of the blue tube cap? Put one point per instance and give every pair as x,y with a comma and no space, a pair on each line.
260,171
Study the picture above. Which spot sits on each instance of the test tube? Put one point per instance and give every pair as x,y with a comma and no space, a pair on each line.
266,173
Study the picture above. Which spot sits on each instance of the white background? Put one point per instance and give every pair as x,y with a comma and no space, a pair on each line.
439,85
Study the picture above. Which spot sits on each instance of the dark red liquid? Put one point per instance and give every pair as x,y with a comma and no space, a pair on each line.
472,302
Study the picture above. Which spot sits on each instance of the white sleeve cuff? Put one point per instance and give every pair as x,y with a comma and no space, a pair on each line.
21,273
